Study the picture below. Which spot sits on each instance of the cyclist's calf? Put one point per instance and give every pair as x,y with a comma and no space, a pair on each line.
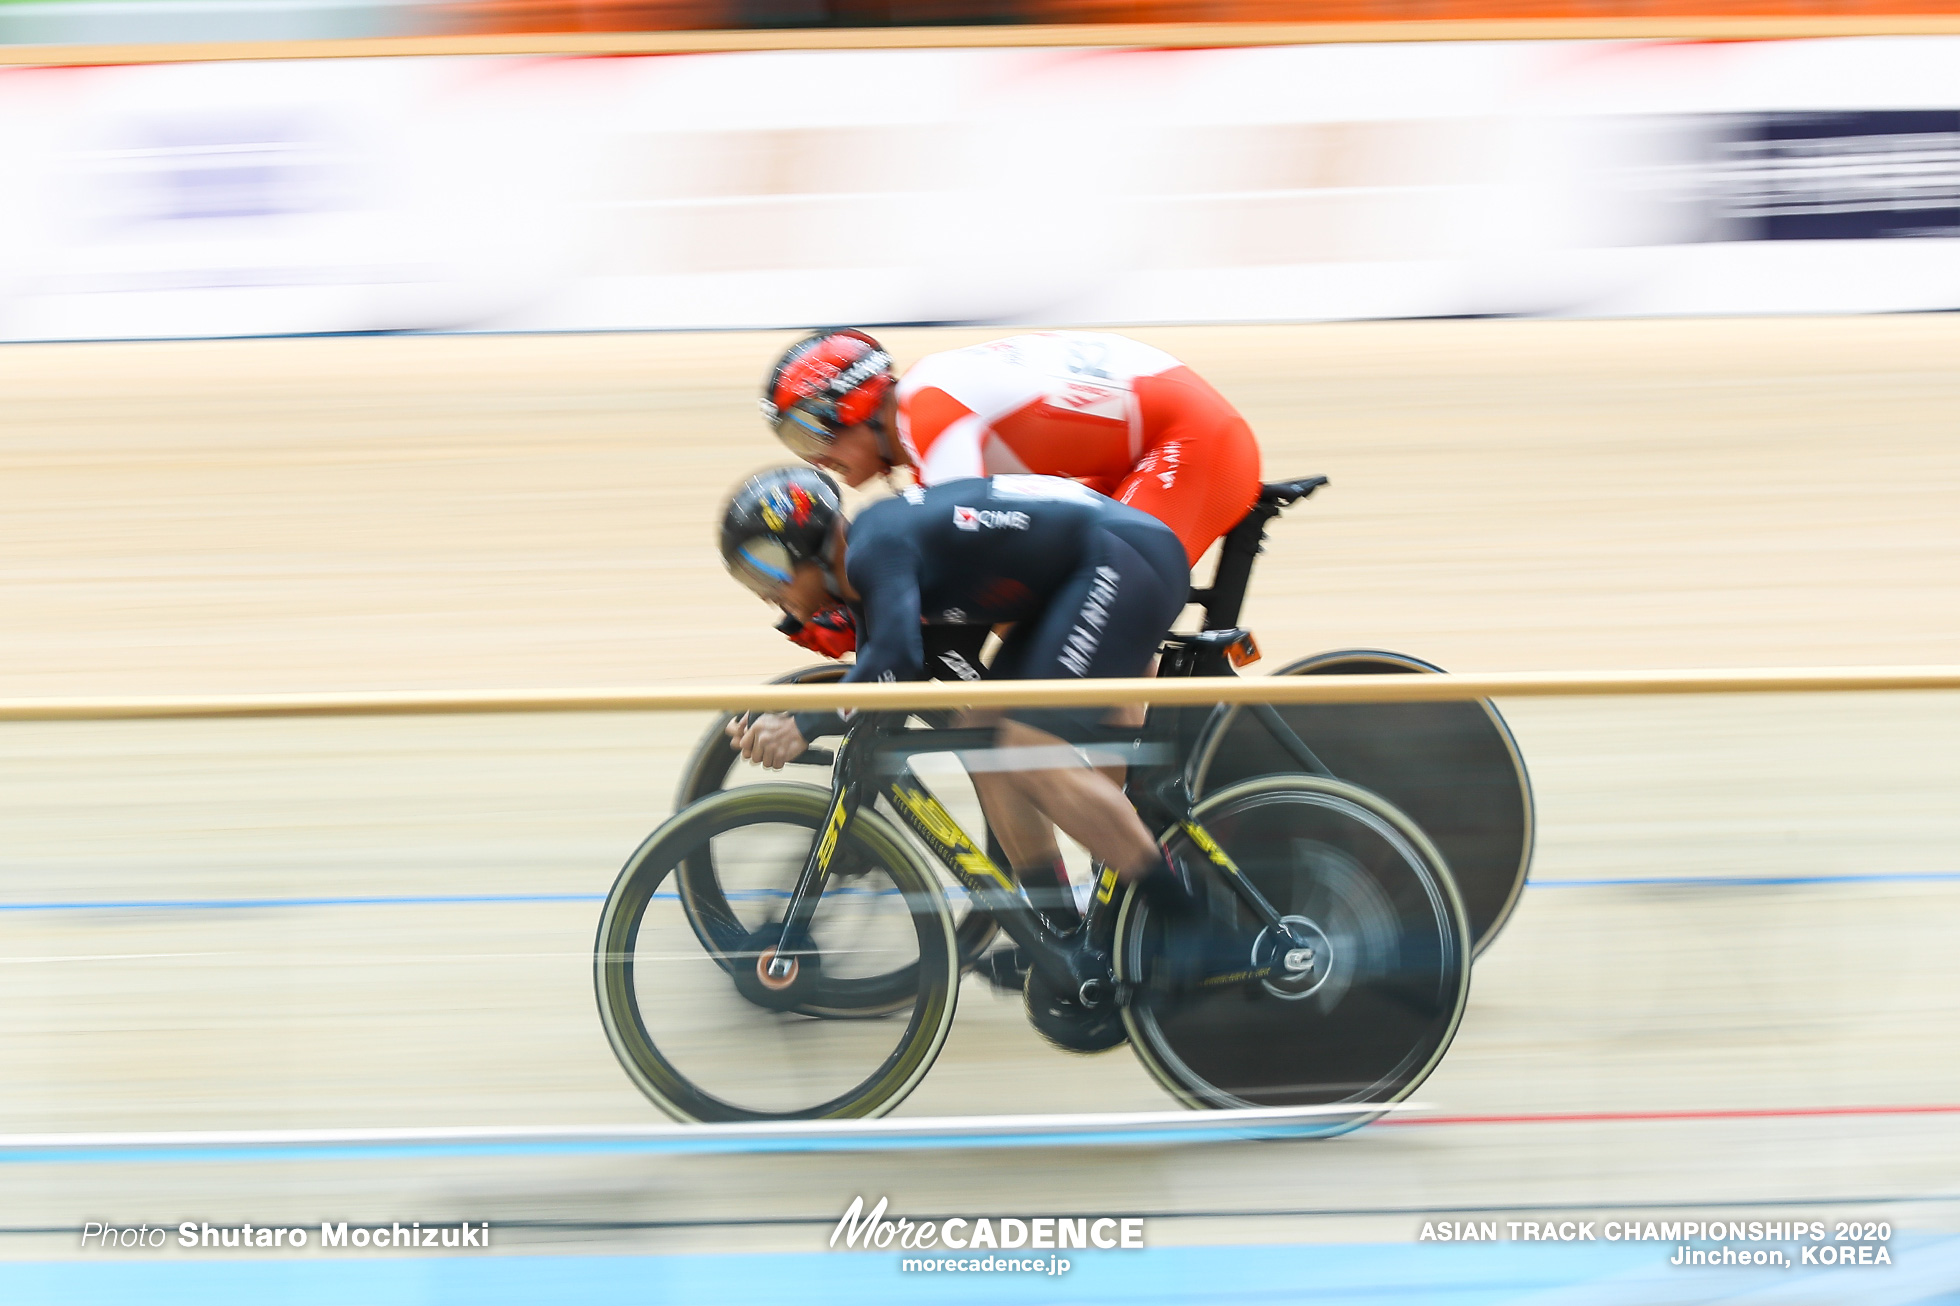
1045,778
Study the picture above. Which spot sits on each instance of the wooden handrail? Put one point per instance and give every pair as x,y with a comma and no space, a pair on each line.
1044,693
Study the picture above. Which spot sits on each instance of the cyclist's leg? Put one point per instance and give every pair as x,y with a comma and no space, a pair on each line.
1135,584
1025,835
1019,836
1106,622
1200,475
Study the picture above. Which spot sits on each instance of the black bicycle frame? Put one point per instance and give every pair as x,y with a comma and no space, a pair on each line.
1162,794
872,746
1225,596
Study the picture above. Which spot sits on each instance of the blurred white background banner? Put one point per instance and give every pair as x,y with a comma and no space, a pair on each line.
1031,186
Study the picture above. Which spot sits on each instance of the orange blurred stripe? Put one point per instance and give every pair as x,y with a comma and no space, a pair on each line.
494,16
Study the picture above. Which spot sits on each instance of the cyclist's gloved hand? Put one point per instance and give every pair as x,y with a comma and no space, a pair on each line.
832,632
771,741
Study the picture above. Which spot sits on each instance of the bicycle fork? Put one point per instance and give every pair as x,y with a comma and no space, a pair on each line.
781,967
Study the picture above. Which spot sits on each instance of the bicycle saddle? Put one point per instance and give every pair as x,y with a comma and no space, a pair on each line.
1284,494
1206,652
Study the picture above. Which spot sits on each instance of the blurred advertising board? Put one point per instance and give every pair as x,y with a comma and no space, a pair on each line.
122,21
980,185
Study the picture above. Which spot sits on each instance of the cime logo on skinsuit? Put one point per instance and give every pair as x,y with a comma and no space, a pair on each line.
973,519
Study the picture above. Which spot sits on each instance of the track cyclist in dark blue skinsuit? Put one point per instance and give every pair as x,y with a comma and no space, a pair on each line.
1091,587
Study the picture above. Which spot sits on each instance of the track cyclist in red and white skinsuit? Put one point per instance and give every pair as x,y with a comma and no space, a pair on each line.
1123,418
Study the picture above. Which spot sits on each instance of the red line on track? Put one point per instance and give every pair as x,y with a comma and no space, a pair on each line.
1594,1117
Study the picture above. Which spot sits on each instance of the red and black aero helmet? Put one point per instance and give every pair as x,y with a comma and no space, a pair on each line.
776,519
822,384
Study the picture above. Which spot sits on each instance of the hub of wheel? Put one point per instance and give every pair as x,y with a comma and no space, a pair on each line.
1300,958
775,971
772,977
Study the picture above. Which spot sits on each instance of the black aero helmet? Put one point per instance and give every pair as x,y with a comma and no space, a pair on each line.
776,519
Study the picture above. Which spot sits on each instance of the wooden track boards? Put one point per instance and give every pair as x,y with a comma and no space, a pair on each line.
425,512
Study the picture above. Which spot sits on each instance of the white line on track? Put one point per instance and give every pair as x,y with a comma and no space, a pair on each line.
871,1132
106,956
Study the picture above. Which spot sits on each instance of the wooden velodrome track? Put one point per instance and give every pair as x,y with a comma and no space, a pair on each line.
443,513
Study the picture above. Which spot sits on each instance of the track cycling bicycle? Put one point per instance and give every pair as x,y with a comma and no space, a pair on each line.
1452,767
783,951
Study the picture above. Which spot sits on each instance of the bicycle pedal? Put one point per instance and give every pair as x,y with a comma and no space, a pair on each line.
1071,1026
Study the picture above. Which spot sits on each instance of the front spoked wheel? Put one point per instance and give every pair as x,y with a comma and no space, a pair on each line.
1355,1007
714,1034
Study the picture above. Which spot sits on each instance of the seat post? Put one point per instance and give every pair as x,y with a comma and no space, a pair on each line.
1225,597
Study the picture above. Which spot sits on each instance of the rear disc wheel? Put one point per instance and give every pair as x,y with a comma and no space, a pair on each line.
1354,1006
1452,768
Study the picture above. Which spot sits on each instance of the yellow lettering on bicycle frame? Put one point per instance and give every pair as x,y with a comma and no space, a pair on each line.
1209,846
832,828
937,824
1106,885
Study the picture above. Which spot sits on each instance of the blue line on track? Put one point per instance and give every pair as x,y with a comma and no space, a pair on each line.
679,1144
1925,1270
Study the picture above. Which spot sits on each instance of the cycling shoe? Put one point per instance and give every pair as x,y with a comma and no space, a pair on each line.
1004,968
1171,891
